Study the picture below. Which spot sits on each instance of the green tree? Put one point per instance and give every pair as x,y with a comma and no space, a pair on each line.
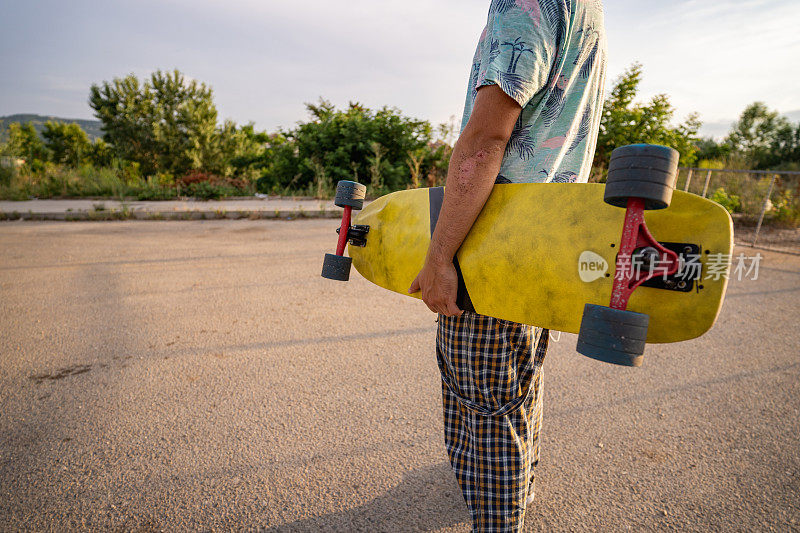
764,138
786,148
626,122
125,108
101,154
710,150
437,162
68,143
754,134
243,149
355,143
167,124
279,164
25,143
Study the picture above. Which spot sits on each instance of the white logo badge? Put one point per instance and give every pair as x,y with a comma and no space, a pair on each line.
591,267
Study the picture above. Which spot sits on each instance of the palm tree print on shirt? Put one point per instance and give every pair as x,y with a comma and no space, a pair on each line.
511,82
518,48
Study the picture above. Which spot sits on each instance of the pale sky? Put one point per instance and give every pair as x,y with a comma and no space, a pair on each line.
265,58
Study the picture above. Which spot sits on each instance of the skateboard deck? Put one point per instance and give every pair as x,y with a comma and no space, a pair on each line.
523,258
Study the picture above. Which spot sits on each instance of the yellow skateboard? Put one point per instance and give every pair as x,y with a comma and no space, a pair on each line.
539,253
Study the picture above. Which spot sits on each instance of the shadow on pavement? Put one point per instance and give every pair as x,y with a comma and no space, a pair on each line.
121,262
730,379
427,499
333,339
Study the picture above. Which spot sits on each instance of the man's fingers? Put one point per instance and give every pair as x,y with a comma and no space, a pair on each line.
443,307
437,308
414,286
450,309
453,309
439,299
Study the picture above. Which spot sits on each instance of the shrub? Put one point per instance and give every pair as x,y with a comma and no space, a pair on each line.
731,202
155,193
207,191
6,175
207,186
786,210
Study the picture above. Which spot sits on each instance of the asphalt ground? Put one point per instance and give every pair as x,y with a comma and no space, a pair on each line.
176,376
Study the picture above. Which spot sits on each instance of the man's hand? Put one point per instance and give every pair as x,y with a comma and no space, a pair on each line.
438,282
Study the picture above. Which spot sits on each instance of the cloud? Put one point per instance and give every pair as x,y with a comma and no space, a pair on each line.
264,58
712,57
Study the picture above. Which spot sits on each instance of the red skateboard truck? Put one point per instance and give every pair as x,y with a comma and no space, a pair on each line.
349,195
640,177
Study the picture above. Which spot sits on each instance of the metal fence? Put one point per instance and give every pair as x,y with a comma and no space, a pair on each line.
765,203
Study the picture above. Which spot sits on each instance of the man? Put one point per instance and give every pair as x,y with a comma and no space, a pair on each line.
533,110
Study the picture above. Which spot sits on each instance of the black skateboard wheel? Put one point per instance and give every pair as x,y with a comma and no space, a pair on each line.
336,267
350,193
644,171
613,336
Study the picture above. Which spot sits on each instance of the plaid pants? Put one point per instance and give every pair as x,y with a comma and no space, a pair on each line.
492,395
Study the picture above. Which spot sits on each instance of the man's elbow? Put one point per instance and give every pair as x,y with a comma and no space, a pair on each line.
482,147
493,119
484,140
477,158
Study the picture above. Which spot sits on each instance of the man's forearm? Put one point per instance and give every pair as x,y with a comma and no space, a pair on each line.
474,166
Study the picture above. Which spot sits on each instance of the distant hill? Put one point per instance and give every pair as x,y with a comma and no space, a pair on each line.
91,127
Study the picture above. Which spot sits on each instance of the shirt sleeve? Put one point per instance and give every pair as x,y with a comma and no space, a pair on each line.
518,47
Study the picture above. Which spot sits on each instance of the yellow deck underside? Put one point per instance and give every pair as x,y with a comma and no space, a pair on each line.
520,260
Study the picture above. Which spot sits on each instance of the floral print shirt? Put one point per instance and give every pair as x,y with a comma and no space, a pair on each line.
549,56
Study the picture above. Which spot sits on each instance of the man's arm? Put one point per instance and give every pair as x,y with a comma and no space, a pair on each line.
474,166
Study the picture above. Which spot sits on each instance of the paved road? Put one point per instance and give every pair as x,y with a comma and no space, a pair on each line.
202,376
